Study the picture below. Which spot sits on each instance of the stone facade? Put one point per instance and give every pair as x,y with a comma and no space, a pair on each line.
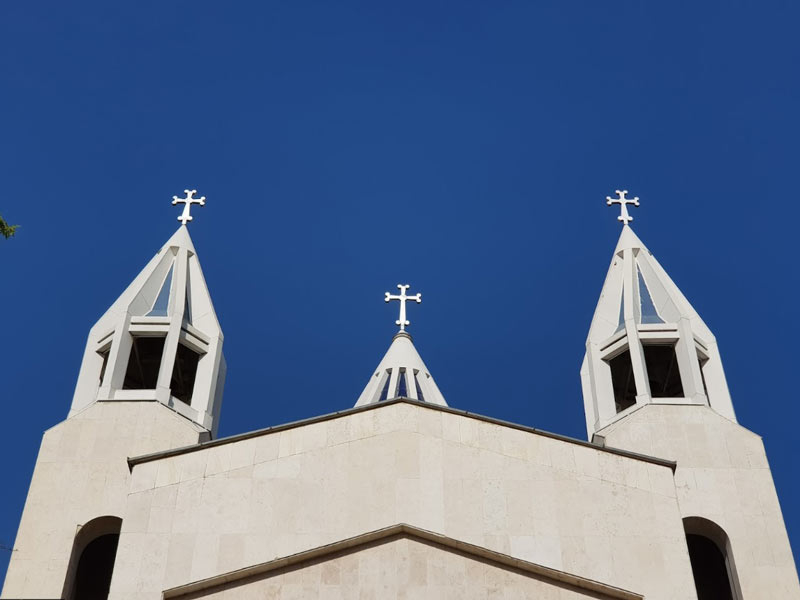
81,474
722,475
402,566
402,496
560,504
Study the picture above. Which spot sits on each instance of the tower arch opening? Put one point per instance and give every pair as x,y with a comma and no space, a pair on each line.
622,380
184,373
92,561
144,362
663,373
712,560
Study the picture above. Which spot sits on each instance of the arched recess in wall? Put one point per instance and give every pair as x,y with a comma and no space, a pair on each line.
711,555
92,560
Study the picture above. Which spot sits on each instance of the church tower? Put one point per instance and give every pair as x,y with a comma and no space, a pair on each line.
646,344
151,379
653,383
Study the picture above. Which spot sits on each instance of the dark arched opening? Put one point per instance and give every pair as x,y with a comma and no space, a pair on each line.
93,577
92,561
712,561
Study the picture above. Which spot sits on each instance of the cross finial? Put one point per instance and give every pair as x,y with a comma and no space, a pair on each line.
402,321
187,204
623,203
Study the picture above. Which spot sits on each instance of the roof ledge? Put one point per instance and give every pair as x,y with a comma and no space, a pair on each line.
133,461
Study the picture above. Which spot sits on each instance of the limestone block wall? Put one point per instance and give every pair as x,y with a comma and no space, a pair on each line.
723,476
566,506
81,473
397,569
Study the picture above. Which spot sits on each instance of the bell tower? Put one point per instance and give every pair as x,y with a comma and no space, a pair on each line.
646,343
653,383
160,341
151,379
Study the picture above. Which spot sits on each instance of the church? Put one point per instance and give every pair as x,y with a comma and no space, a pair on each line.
402,495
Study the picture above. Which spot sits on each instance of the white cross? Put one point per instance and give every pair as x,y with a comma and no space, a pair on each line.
187,204
402,321
623,203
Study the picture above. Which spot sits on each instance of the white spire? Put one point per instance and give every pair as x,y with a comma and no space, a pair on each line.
159,341
646,343
401,373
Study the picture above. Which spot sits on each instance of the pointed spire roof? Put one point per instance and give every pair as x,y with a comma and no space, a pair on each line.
401,374
181,239
628,240
167,300
641,307
155,290
638,288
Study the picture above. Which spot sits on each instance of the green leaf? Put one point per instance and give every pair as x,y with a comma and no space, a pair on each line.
7,230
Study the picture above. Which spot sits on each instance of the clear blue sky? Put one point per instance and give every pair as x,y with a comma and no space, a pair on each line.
464,148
